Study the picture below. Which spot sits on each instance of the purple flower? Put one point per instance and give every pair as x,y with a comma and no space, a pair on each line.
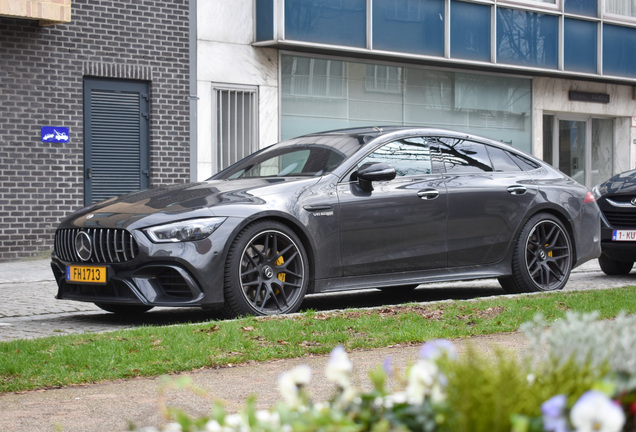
436,348
553,411
387,365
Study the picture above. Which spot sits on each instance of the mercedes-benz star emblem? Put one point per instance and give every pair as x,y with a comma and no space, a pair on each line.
83,246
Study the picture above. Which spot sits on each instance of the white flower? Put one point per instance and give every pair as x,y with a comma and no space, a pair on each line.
269,418
172,427
339,368
291,382
595,412
422,376
213,426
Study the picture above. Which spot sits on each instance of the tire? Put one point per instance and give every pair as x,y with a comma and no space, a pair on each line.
542,257
123,309
266,272
614,268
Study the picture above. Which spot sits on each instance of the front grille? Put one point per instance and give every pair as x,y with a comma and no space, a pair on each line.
173,284
108,245
621,219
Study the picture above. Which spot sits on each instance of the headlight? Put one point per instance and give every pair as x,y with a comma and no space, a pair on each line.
187,230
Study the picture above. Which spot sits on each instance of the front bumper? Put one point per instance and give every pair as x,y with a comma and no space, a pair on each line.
185,274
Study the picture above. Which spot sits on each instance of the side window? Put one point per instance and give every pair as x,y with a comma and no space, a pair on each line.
524,163
461,156
409,156
501,160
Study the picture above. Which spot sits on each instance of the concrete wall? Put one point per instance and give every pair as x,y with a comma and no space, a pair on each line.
225,56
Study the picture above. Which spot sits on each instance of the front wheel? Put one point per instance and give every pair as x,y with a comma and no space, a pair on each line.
542,257
266,271
612,267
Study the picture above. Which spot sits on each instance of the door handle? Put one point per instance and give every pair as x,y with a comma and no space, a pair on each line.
517,190
428,194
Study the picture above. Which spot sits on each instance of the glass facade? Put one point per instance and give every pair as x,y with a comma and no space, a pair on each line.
536,36
470,31
336,22
527,38
619,50
582,7
412,26
579,36
320,94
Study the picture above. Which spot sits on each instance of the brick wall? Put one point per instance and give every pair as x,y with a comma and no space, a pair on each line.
41,76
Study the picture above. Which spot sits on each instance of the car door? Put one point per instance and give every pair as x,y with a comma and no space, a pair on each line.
488,197
400,225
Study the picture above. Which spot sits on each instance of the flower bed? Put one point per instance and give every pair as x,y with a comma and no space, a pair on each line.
579,374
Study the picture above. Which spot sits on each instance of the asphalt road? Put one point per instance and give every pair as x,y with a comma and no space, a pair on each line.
28,308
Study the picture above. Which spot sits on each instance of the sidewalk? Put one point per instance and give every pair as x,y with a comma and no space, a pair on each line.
110,406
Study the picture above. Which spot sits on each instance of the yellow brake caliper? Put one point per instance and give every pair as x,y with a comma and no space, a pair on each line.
279,262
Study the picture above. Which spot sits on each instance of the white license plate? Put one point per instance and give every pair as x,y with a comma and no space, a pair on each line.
624,235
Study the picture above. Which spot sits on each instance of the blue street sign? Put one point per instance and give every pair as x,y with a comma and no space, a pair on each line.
54,134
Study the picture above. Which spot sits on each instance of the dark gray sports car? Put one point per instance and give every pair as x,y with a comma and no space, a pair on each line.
388,208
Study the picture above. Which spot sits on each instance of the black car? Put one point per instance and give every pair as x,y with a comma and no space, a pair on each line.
388,208
617,201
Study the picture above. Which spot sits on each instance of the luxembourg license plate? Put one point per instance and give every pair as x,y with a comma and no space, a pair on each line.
86,274
624,235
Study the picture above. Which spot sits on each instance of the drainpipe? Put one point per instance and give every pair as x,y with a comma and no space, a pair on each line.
193,89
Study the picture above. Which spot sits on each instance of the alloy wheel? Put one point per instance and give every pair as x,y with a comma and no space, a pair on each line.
272,273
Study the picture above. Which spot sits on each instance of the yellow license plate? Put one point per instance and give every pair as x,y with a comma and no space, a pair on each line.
85,274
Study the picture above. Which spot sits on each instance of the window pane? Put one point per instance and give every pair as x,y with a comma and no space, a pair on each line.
527,38
338,22
582,7
602,145
464,156
621,7
264,20
580,45
619,52
470,31
413,26
495,106
235,125
409,157
548,146
501,160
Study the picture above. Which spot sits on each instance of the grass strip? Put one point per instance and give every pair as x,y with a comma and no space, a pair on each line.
150,351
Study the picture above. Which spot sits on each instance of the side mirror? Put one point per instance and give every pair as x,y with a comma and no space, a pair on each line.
373,171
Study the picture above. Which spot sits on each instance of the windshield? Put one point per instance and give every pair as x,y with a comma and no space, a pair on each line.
305,156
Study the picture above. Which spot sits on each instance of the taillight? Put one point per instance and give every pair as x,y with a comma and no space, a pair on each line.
589,197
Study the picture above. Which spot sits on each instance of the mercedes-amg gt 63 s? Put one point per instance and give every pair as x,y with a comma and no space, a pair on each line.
389,208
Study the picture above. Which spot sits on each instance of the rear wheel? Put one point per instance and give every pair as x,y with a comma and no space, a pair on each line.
542,258
266,272
612,267
123,309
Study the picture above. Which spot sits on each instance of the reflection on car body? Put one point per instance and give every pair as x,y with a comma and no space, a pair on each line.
386,208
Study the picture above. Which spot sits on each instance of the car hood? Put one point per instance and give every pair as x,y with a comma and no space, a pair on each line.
620,184
188,200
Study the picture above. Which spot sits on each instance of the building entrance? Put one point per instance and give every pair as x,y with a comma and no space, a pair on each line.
581,147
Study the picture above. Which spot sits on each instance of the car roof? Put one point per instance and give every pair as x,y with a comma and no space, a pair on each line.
363,134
